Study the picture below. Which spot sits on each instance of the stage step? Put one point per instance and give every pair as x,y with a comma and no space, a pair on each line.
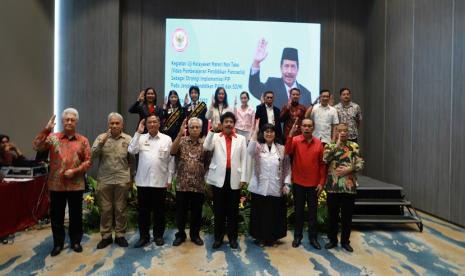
382,201
385,219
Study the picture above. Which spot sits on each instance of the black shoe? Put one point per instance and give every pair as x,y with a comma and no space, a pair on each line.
331,245
197,240
178,240
315,244
77,247
233,244
296,243
121,242
347,247
259,243
104,243
141,243
159,241
217,244
56,250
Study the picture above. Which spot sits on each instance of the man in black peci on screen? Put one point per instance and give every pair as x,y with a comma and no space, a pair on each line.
280,86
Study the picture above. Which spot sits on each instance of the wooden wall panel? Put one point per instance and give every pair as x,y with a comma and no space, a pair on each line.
90,60
399,91
131,60
457,188
431,106
373,121
26,66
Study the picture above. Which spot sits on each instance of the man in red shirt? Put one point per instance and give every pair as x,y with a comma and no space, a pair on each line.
308,176
69,161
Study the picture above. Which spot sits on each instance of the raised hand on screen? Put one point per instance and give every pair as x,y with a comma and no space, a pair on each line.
260,53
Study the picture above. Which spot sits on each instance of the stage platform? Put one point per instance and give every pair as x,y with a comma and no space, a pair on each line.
378,202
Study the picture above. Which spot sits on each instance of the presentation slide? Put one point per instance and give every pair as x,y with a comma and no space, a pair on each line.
250,56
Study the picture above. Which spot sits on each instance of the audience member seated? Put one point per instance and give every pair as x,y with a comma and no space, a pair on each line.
9,153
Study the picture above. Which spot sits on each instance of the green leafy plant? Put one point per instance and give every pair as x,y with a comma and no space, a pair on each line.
91,221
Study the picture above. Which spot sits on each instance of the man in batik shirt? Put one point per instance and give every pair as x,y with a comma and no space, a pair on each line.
69,161
343,161
190,183
349,113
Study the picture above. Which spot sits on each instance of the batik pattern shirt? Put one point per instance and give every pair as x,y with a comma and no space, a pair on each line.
351,115
66,153
347,155
190,166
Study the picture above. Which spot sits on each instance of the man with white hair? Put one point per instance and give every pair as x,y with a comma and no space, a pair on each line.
190,184
113,178
69,160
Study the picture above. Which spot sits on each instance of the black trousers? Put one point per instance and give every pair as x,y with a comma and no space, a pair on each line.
184,202
226,209
151,202
342,203
301,195
58,202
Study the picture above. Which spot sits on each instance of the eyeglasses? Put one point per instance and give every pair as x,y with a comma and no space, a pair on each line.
268,97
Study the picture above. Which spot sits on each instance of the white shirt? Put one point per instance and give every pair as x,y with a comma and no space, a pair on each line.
156,165
324,117
270,114
268,183
214,114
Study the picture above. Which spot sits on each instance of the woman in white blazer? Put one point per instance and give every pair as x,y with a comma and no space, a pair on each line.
226,174
270,182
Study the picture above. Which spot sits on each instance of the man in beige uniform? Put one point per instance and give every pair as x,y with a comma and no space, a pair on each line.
113,176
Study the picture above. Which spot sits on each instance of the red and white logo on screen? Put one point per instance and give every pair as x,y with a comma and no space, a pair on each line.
179,40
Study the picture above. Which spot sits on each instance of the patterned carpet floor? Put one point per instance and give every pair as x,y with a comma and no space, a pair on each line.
438,250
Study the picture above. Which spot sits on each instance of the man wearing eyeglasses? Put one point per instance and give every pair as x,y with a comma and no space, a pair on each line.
269,114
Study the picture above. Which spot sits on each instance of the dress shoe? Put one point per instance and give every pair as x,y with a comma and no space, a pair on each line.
347,247
178,240
330,245
141,243
159,241
197,240
217,244
104,243
56,250
315,244
77,247
121,242
259,243
296,243
233,244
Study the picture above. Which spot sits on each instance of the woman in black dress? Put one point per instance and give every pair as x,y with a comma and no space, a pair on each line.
146,105
173,115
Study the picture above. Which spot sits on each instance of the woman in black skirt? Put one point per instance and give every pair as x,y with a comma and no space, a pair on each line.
271,178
